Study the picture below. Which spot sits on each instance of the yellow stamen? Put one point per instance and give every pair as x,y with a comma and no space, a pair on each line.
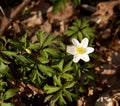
80,50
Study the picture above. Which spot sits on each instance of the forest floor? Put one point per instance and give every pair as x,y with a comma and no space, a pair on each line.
105,19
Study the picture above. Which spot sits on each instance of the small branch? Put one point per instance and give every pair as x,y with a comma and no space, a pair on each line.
4,26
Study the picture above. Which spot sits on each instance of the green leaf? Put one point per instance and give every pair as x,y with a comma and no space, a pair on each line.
1,46
67,95
68,67
43,60
24,40
60,65
4,61
33,46
74,28
46,70
57,80
51,89
77,23
41,37
80,36
22,58
67,76
85,22
10,93
69,32
9,53
48,41
43,53
53,52
57,6
61,100
47,98
90,77
6,104
81,89
4,68
69,84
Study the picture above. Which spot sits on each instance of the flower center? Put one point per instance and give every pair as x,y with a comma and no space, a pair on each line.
80,50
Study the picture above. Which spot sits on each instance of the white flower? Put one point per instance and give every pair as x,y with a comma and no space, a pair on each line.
80,50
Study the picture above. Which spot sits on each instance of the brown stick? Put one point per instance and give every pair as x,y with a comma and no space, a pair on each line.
5,25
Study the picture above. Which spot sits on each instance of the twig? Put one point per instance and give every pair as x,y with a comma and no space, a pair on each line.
4,26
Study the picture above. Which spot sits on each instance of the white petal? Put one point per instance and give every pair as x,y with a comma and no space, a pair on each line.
89,50
75,42
76,58
84,42
85,58
71,49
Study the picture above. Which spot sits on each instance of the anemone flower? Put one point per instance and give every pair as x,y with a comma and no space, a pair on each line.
80,50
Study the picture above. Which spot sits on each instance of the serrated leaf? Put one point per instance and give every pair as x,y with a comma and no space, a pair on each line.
85,23
68,67
61,100
43,60
57,80
41,37
22,58
67,76
48,41
33,46
69,84
53,52
24,40
47,98
43,54
9,53
46,70
67,95
74,28
60,65
10,93
69,32
77,23
51,89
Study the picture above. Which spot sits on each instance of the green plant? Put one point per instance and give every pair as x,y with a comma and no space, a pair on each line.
47,65
57,4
